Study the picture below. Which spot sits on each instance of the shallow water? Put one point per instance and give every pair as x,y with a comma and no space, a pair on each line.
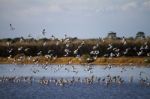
76,90
73,70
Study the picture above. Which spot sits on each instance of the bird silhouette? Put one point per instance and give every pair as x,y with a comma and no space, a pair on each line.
43,32
11,27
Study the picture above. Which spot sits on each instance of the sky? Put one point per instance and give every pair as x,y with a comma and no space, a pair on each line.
75,18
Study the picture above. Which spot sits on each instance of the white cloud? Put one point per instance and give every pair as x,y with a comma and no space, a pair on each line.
25,8
129,6
61,14
147,4
36,7
54,8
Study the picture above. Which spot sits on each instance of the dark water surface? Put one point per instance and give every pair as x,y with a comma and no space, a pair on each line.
75,91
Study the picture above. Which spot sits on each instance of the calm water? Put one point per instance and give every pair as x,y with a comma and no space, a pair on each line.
78,90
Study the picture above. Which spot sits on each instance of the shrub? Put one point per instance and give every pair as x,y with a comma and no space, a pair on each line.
147,60
86,58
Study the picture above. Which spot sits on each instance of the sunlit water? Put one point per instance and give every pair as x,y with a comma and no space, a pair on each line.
77,90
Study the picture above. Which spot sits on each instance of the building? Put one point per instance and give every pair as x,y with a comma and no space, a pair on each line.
140,35
112,35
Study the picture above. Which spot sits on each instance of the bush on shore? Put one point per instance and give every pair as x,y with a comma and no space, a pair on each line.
33,47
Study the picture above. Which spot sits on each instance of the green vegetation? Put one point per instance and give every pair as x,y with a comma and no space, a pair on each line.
86,58
147,60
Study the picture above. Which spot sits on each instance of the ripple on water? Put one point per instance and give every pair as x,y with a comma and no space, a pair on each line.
76,91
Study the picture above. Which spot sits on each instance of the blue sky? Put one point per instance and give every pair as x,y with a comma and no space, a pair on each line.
76,18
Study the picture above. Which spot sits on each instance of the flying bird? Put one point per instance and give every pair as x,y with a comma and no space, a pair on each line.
11,27
43,32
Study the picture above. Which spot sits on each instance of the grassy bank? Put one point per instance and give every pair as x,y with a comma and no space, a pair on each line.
72,60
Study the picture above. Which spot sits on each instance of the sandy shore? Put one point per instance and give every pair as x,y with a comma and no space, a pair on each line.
73,60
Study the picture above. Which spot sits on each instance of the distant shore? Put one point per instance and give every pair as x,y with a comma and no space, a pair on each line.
143,61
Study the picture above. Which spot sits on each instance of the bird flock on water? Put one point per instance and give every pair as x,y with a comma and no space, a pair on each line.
107,80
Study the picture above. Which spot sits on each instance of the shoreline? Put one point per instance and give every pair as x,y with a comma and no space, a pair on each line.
121,61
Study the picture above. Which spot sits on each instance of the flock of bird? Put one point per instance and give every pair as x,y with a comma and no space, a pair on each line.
51,54
108,80
111,50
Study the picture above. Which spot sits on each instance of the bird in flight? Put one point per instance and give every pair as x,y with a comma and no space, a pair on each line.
11,27
43,32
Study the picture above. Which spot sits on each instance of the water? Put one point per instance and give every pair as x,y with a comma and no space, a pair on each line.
70,70
77,90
